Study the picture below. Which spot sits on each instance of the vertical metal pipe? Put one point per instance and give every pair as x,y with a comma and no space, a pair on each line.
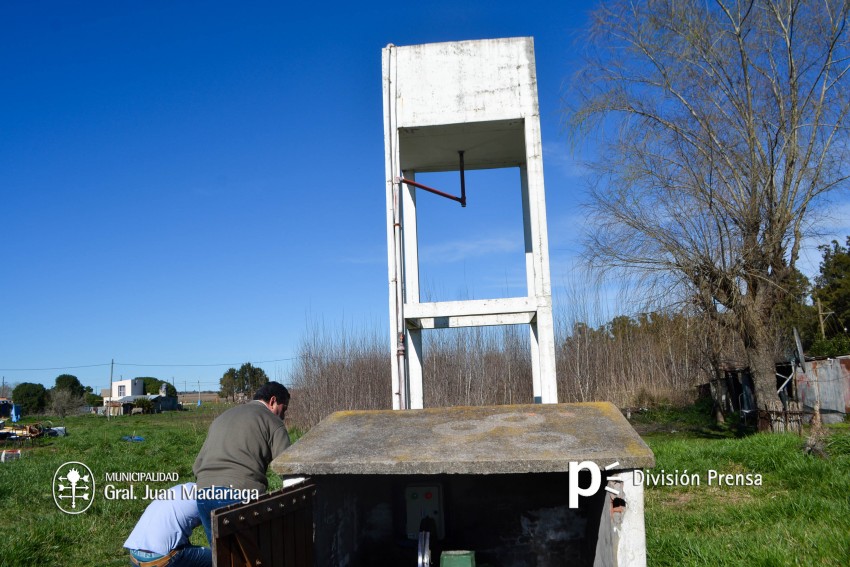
401,357
462,182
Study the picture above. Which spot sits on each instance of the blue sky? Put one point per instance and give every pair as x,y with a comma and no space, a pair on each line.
193,183
189,185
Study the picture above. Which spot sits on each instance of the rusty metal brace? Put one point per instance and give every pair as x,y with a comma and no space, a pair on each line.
461,199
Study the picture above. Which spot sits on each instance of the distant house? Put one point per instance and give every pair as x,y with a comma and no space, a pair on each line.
161,402
124,388
125,393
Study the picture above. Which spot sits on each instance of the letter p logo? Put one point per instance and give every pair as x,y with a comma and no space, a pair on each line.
575,489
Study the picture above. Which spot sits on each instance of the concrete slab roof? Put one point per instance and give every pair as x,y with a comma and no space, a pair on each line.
499,143
467,440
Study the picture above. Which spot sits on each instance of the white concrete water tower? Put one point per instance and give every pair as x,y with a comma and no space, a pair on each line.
454,107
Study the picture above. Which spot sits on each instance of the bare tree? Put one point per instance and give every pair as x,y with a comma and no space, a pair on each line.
64,402
722,123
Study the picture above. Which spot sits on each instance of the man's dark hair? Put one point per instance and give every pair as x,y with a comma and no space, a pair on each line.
275,389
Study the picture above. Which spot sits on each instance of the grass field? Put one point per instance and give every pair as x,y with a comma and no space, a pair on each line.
33,531
800,515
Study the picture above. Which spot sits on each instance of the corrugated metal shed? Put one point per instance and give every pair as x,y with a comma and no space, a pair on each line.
831,376
828,378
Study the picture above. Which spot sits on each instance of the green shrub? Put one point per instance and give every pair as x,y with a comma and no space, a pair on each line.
144,404
836,346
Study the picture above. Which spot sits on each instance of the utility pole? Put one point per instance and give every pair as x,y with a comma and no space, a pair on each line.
109,407
821,318
199,393
185,391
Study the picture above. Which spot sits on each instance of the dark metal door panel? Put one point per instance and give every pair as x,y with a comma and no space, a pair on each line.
275,530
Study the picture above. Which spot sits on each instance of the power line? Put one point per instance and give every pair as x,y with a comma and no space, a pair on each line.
324,356
132,364
216,364
53,368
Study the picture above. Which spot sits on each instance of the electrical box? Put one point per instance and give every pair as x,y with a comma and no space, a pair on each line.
421,502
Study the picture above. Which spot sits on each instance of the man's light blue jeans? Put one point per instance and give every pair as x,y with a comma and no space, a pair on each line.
189,556
205,508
